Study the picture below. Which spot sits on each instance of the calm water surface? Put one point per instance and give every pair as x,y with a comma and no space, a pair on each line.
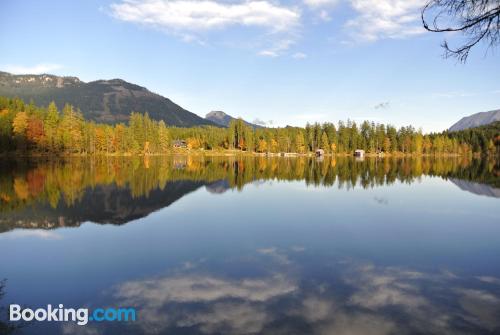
256,245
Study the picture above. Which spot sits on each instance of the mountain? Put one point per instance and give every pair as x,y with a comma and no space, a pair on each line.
223,119
476,120
105,101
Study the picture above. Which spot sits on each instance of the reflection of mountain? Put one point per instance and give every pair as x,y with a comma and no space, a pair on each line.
117,190
476,188
102,204
218,187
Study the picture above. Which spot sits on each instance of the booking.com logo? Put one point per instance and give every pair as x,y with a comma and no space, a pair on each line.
81,316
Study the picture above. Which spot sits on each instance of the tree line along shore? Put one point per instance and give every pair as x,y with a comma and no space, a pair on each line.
27,129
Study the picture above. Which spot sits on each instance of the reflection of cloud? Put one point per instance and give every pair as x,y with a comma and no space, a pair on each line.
326,317
479,295
381,201
231,318
483,308
242,315
316,309
38,233
362,300
277,255
74,329
202,289
378,288
488,279
358,323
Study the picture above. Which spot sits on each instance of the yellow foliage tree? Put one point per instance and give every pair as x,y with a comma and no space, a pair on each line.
262,145
20,123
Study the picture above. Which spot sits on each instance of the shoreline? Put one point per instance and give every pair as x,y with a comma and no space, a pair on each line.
234,153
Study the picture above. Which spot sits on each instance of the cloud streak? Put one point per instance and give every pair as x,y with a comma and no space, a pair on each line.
34,69
382,105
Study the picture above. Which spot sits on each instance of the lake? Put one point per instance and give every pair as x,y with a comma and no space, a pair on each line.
255,245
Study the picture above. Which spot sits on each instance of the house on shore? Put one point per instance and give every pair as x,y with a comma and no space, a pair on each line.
359,153
178,144
320,152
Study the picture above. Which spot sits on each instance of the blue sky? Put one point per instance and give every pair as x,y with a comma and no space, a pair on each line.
285,61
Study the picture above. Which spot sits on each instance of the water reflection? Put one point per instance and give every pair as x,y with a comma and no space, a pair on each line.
399,249
354,297
477,188
57,194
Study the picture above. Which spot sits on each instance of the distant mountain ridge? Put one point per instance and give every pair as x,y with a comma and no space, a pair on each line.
223,119
106,101
476,120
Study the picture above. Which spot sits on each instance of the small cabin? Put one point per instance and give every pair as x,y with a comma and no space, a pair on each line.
320,152
359,153
179,144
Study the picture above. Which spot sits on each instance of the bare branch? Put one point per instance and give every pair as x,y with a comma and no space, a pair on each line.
477,20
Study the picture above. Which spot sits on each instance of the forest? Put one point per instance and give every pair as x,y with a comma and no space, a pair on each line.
33,130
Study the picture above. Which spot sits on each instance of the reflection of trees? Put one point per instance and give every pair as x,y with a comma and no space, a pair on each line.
53,182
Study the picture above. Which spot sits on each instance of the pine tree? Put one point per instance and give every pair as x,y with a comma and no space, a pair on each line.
163,137
51,123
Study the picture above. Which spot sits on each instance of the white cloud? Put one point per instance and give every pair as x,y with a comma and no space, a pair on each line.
191,15
190,19
299,55
378,19
324,15
268,53
259,122
278,47
320,3
35,69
